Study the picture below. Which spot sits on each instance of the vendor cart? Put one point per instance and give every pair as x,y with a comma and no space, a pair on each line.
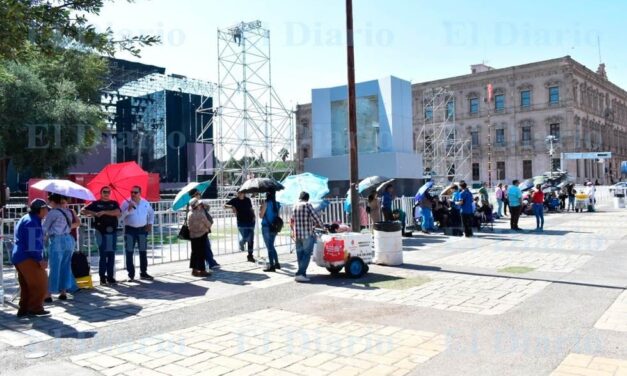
349,251
581,202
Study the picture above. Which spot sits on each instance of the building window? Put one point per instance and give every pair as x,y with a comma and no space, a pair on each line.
526,135
450,109
475,172
499,102
554,130
305,152
500,170
555,164
554,95
474,137
428,113
500,137
525,99
474,105
527,170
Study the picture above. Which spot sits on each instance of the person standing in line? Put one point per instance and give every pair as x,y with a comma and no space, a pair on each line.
591,191
106,213
537,198
198,232
268,212
426,208
499,199
209,258
483,194
305,219
28,258
505,200
571,196
242,206
515,204
57,228
375,208
466,204
386,203
138,217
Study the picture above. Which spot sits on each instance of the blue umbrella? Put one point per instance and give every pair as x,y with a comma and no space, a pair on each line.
421,192
182,198
525,185
317,187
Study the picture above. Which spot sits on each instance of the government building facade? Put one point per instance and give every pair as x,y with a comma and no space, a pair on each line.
582,109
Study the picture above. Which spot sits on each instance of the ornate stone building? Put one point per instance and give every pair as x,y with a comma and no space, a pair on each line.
560,97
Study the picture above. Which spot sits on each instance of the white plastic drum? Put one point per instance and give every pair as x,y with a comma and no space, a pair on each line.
388,243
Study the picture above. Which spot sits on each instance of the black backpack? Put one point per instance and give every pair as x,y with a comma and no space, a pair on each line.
80,265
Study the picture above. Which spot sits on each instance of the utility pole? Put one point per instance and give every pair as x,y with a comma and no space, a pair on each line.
352,119
489,100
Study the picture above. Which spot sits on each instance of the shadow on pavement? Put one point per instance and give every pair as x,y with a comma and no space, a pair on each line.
47,325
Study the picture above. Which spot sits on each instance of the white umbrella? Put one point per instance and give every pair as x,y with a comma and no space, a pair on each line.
64,187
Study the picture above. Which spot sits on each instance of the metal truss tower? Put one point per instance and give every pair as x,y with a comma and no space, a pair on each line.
253,132
446,153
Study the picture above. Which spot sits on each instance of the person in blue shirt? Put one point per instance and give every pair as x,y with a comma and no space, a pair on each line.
466,207
514,195
268,212
28,258
386,203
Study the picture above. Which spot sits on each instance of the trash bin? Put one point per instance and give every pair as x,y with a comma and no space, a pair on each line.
388,243
619,202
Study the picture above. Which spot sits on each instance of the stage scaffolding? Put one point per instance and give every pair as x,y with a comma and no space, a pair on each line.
445,151
253,134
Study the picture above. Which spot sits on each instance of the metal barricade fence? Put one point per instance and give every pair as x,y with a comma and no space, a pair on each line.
164,246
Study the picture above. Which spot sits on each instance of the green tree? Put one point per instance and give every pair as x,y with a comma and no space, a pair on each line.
47,119
51,71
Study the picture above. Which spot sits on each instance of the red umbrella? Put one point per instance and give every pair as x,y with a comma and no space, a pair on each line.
121,177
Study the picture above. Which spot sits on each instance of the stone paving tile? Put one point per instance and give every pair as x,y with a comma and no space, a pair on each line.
275,342
105,306
587,365
451,292
497,259
615,318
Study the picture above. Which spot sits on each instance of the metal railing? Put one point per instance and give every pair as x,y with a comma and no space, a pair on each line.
164,246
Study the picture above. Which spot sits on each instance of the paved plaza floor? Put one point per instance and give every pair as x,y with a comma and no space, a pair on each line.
501,303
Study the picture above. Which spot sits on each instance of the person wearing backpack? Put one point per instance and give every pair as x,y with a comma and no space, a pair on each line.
57,227
271,225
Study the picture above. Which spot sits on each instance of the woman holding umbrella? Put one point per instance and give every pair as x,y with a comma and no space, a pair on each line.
199,227
57,227
268,212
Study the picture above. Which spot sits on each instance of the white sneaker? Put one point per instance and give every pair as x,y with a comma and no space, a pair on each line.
301,278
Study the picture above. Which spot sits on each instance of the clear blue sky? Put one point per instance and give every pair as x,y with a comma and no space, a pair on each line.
412,39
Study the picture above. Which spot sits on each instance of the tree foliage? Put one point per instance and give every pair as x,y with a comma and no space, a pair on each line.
48,119
52,24
51,73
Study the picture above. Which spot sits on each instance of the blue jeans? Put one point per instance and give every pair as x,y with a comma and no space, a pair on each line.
211,262
136,236
304,248
246,235
499,210
107,244
571,203
268,238
538,211
427,219
60,277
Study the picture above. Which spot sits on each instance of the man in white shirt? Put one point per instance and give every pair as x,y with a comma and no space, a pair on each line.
138,217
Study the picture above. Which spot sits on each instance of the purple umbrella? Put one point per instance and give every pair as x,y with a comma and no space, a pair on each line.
421,192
